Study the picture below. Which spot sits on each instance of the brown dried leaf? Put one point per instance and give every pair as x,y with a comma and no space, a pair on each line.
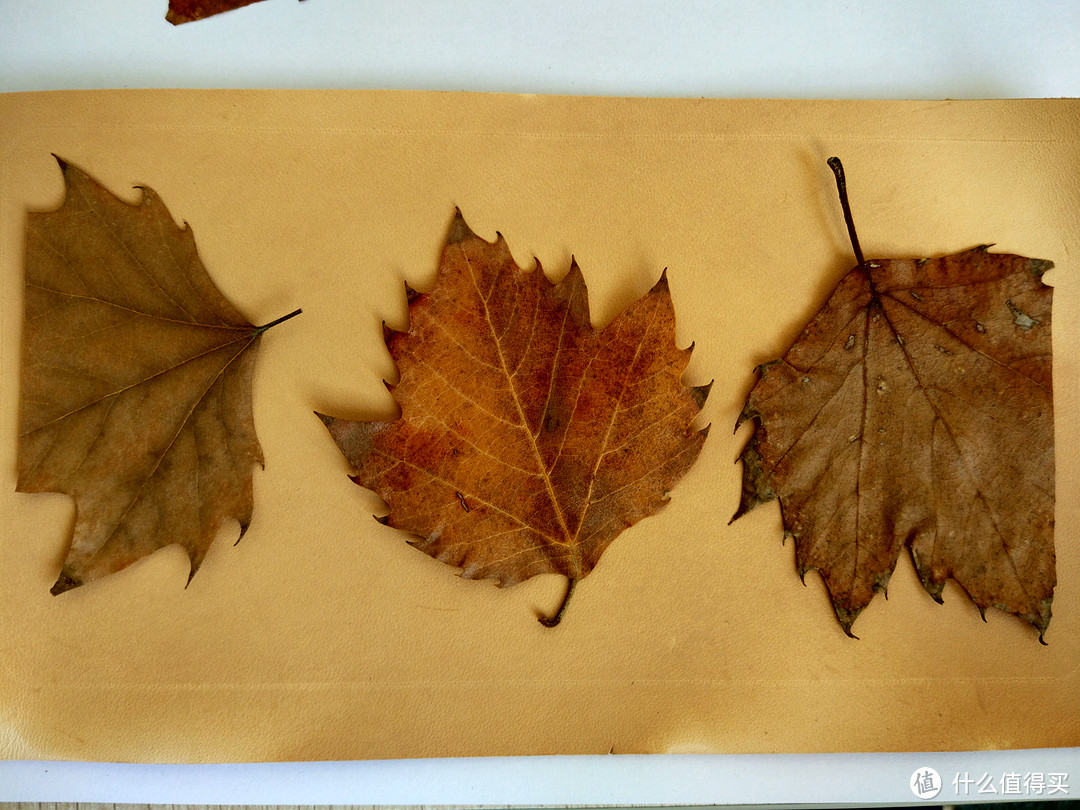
183,11
528,440
915,410
136,382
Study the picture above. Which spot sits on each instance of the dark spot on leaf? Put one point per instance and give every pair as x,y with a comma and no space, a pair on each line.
551,421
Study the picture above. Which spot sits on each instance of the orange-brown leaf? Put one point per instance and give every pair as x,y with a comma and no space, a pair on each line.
528,440
916,411
136,382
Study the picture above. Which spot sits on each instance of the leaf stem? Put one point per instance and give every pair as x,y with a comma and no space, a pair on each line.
841,188
260,329
552,621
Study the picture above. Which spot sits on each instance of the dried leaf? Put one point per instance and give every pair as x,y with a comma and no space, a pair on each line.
528,440
136,382
183,11
915,410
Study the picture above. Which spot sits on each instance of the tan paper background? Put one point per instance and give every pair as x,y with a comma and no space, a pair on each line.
323,635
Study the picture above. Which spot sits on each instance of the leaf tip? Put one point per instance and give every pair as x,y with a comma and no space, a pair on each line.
71,173
743,507
573,278
700,393
65,582
459,230
354,439
847,618
1042,619
933,587
1040,267
756,487
881,582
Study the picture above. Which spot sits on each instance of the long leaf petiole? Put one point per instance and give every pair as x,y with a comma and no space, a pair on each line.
841,187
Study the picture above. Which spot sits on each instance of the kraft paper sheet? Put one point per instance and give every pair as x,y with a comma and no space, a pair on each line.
322,635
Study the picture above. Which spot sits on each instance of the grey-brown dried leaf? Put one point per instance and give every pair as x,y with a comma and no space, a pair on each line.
136,382
916,411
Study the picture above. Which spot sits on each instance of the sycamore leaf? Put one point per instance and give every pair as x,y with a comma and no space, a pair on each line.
915,410
528,440
136,382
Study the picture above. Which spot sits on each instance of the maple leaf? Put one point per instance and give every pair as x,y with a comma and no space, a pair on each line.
528,440
184,11
136,382
915,410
